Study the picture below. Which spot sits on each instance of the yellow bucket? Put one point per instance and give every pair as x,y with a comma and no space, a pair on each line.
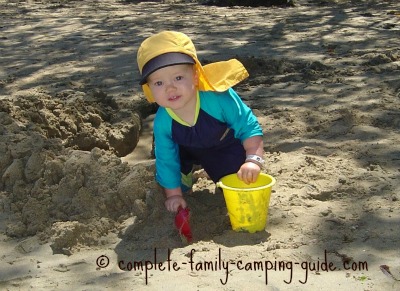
247,204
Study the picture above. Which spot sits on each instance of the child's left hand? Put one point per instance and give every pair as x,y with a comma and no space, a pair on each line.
249,172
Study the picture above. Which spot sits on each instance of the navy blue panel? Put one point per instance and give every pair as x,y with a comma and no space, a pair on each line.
209,143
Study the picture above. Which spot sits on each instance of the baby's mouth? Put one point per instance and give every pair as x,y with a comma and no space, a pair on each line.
173,98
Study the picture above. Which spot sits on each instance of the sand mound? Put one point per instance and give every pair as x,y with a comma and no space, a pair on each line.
59,162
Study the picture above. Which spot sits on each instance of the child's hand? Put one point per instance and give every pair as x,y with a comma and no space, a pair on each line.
172,203
249,172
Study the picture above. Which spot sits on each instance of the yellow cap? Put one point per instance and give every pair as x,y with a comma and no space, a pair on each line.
219,76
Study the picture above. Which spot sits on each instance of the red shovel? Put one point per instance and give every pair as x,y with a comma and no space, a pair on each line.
182,224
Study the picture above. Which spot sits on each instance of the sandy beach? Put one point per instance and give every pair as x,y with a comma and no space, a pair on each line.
79,207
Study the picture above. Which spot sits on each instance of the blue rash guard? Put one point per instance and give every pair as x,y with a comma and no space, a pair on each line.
222,123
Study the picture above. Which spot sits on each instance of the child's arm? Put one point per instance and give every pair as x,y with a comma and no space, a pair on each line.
241,119
249,171
174,199
168,173
254,145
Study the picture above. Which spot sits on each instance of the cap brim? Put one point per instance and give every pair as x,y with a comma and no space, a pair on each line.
162,61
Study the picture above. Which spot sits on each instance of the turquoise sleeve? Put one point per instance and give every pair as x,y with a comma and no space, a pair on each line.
168,173
228,107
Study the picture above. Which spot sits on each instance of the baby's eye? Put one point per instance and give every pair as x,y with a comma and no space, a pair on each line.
178,78
158,83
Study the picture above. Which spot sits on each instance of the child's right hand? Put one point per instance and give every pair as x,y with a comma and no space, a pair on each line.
172,203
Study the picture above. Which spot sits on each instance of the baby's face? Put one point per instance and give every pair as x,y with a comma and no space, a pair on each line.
174,86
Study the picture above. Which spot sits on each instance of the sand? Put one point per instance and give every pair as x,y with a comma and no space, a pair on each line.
79,207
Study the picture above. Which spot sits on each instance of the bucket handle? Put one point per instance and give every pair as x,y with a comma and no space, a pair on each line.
221,185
